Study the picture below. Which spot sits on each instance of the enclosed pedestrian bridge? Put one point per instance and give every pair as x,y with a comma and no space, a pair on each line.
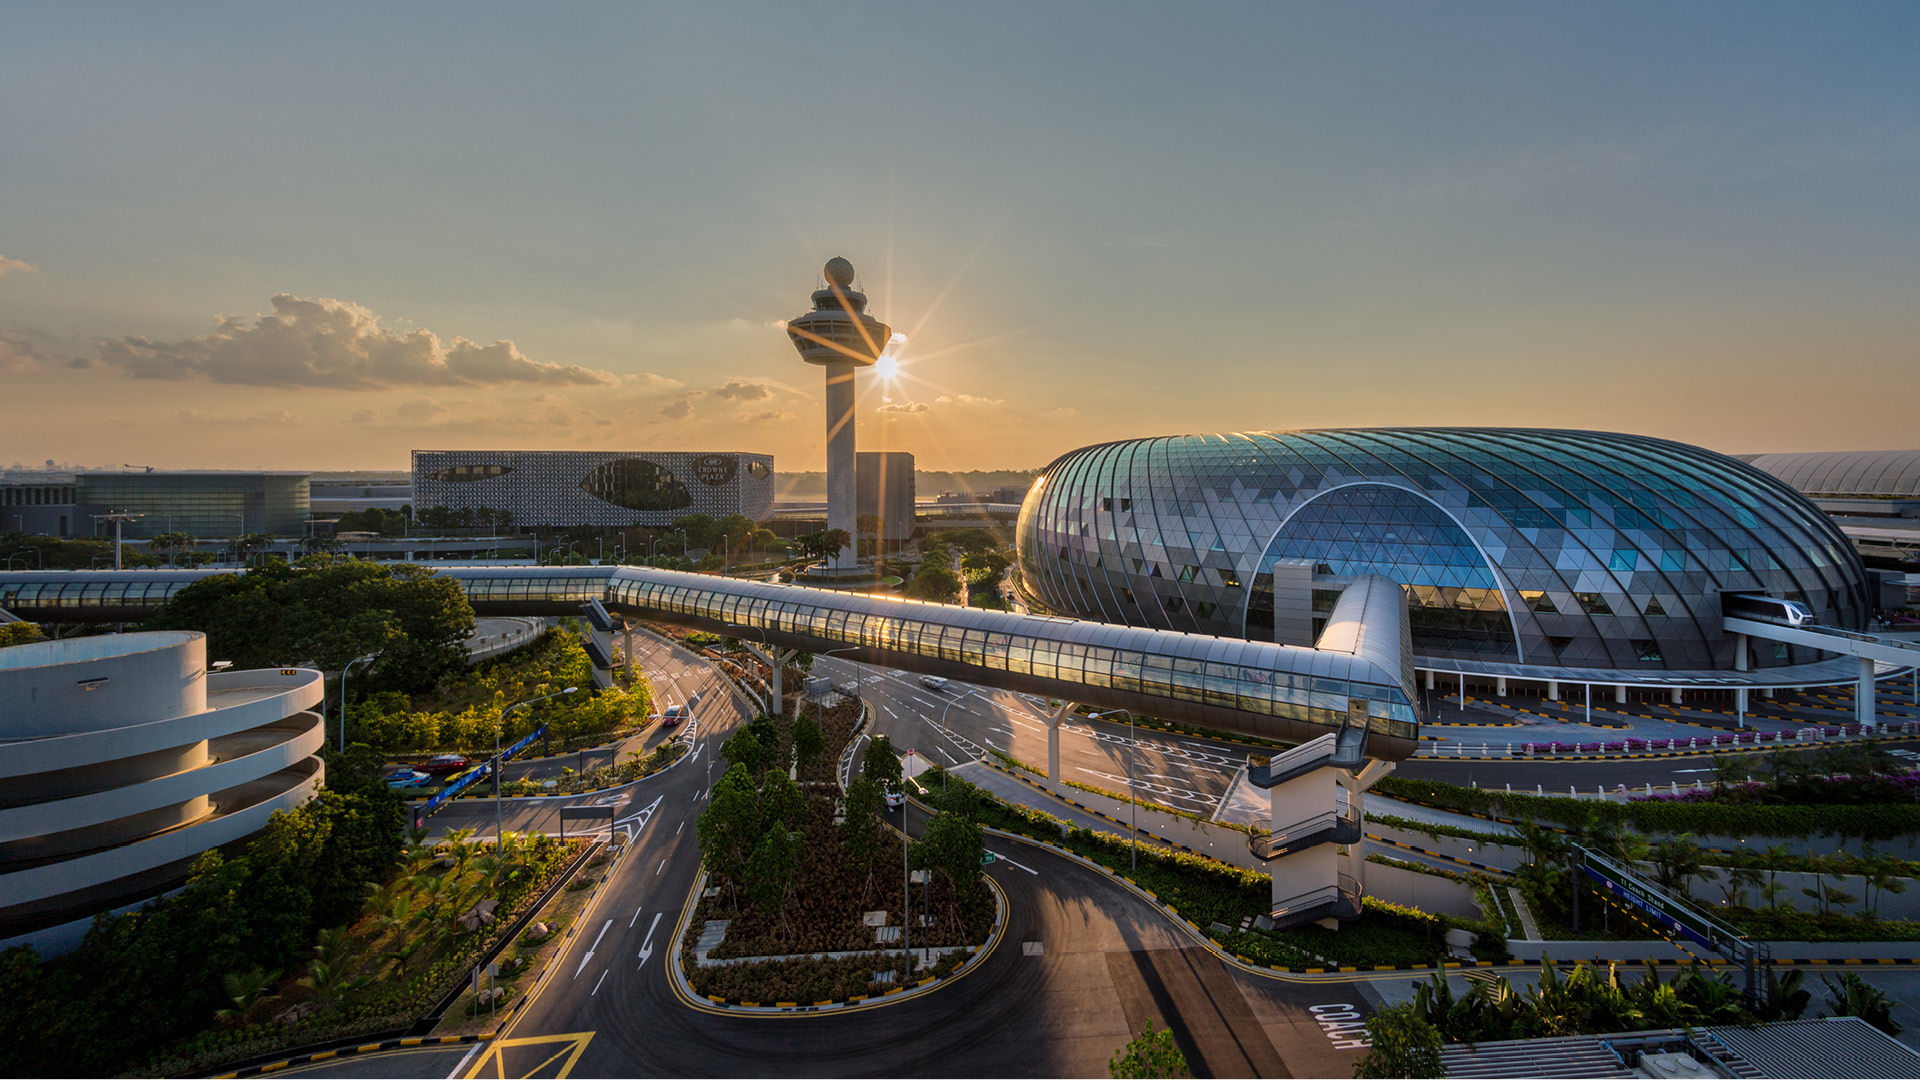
1358,679
1348,703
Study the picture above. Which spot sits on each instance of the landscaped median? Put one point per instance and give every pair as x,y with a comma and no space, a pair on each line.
805,900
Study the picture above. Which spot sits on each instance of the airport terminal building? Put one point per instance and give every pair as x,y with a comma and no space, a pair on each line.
1533,554
607,489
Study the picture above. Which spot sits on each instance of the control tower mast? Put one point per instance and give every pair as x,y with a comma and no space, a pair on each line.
841,337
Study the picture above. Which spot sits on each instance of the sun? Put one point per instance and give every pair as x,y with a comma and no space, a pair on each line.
886,367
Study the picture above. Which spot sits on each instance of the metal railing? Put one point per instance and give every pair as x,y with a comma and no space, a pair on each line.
1600,748
1284,841
1342,897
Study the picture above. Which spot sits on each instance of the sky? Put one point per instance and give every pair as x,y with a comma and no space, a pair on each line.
320,236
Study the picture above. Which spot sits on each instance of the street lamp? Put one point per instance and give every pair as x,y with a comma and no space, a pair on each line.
1133,794
343,695
498,726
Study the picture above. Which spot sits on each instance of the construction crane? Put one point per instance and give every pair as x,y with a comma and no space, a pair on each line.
148,468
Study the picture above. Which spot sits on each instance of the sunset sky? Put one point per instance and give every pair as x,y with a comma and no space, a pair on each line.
320,236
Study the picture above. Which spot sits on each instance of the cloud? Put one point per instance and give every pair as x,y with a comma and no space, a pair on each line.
735,390
679,408
19,352
15,266
900,407
336,344
969,399
274,417
421,411
769,416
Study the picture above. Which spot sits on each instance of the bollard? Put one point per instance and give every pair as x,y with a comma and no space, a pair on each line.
1509,787
1539,789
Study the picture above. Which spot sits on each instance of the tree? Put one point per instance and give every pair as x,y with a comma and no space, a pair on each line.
278,616
860,826
1785,999
1854,996
20,633
882,765
935,581
867,524
1736,880
1677,860
1773,860
1828,895
1881,874
808,742
744,748
952,849
698,529
731,823
171,544
1150,1054
781,800
769,871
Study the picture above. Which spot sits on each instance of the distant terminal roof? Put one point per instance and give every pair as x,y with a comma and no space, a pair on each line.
1830,1047
1870,473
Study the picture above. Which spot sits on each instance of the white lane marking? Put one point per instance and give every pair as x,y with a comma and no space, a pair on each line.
890,711
1010,862
461,1069
663,866
598,981
646,947
683,825
951,760
595,945
636,916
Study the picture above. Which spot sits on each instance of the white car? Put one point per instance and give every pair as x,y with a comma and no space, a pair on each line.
933,682
895,799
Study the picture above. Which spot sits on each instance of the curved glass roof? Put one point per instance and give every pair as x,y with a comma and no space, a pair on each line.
1868,474
1546,547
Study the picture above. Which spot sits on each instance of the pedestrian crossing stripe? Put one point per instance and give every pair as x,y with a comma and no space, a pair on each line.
493,1063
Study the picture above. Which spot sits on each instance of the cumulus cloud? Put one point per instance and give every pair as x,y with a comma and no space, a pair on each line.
274,417
679,408
336,344
769,416
15,266
969,399
900,407
736,390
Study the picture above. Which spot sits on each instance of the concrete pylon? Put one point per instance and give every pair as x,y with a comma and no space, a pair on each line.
1053,739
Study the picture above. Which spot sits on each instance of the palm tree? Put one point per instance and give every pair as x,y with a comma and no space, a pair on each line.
1676,862
329,982
1732,770
1772,861
1735,880
244,990
1881,874
1823,867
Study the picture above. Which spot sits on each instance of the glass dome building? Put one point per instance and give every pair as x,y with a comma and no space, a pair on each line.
1569,549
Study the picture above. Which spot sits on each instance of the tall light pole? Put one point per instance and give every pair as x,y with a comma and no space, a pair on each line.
1133,794
343,695
498,726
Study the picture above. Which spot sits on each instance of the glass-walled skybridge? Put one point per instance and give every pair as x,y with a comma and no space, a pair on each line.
1287,693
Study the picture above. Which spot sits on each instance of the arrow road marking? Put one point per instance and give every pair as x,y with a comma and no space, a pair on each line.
646,947
595,945
1010,862
598,981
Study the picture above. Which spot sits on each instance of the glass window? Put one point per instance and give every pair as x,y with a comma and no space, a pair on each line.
1593,603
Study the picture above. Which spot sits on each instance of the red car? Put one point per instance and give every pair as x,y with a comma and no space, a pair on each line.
444,764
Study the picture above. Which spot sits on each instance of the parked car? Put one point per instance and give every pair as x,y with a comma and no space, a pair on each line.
409,778
444,765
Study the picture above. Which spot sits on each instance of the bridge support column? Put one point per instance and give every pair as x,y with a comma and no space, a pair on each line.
1676,695
1430,678
1553,691
1053,739
776,661
1863,697
1620,694
1740,664
1500,685
626,655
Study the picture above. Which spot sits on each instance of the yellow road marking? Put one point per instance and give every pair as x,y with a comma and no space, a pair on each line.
570,1047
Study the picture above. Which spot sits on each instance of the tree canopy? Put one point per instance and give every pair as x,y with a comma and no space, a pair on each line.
326,612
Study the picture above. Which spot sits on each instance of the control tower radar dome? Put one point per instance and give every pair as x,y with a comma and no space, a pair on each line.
840,272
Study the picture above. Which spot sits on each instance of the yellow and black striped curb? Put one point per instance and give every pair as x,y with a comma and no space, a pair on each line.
350,1051
1499,871
1152,837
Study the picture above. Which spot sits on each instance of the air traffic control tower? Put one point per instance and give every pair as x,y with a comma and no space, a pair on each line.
840,336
